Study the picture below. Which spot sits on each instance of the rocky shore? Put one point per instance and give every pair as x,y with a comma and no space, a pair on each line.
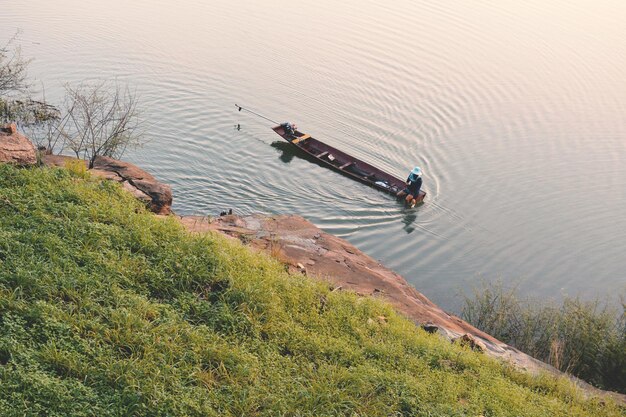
143,186
303,248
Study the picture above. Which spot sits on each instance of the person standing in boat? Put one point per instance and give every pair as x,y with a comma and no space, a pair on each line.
413,186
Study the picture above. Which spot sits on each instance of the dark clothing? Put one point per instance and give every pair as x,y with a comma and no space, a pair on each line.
414,185
288,128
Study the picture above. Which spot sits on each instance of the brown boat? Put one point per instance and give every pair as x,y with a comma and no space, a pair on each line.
344,163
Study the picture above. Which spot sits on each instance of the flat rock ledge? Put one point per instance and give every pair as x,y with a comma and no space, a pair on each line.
15,148
156,195
306,249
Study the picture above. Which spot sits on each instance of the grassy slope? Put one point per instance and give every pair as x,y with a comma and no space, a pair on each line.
106,310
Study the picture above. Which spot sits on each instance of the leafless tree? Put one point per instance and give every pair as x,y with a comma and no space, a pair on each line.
97,119
102,119
16,102
13,67
46,132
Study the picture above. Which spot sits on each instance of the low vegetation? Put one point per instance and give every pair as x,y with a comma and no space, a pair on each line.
585,338
106,310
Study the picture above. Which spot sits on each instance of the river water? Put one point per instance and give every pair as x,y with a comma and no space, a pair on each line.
516,111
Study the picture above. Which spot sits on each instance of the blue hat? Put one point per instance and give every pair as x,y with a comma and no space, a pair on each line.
417,171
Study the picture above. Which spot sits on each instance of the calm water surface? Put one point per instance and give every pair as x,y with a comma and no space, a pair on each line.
516,111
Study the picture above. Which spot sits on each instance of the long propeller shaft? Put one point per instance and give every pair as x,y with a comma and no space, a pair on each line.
256,114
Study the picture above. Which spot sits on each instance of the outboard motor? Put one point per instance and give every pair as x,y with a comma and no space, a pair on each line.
288,128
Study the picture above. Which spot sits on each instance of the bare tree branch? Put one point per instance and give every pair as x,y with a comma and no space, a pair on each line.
13,67
102,120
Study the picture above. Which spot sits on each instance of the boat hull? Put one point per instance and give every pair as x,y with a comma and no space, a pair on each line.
346,164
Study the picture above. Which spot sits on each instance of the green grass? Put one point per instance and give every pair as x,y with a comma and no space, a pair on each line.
106,310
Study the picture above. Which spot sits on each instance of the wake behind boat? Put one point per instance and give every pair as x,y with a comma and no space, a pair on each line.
344,163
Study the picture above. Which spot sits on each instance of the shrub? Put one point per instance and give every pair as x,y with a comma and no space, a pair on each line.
585,338
77,168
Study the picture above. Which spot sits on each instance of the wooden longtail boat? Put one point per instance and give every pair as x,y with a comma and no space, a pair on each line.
344,163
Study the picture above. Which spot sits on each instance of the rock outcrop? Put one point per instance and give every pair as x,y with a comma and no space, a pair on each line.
15,148
142,185
138,181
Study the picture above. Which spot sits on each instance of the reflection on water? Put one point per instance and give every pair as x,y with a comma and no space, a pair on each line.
511,108
287,152
408,218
